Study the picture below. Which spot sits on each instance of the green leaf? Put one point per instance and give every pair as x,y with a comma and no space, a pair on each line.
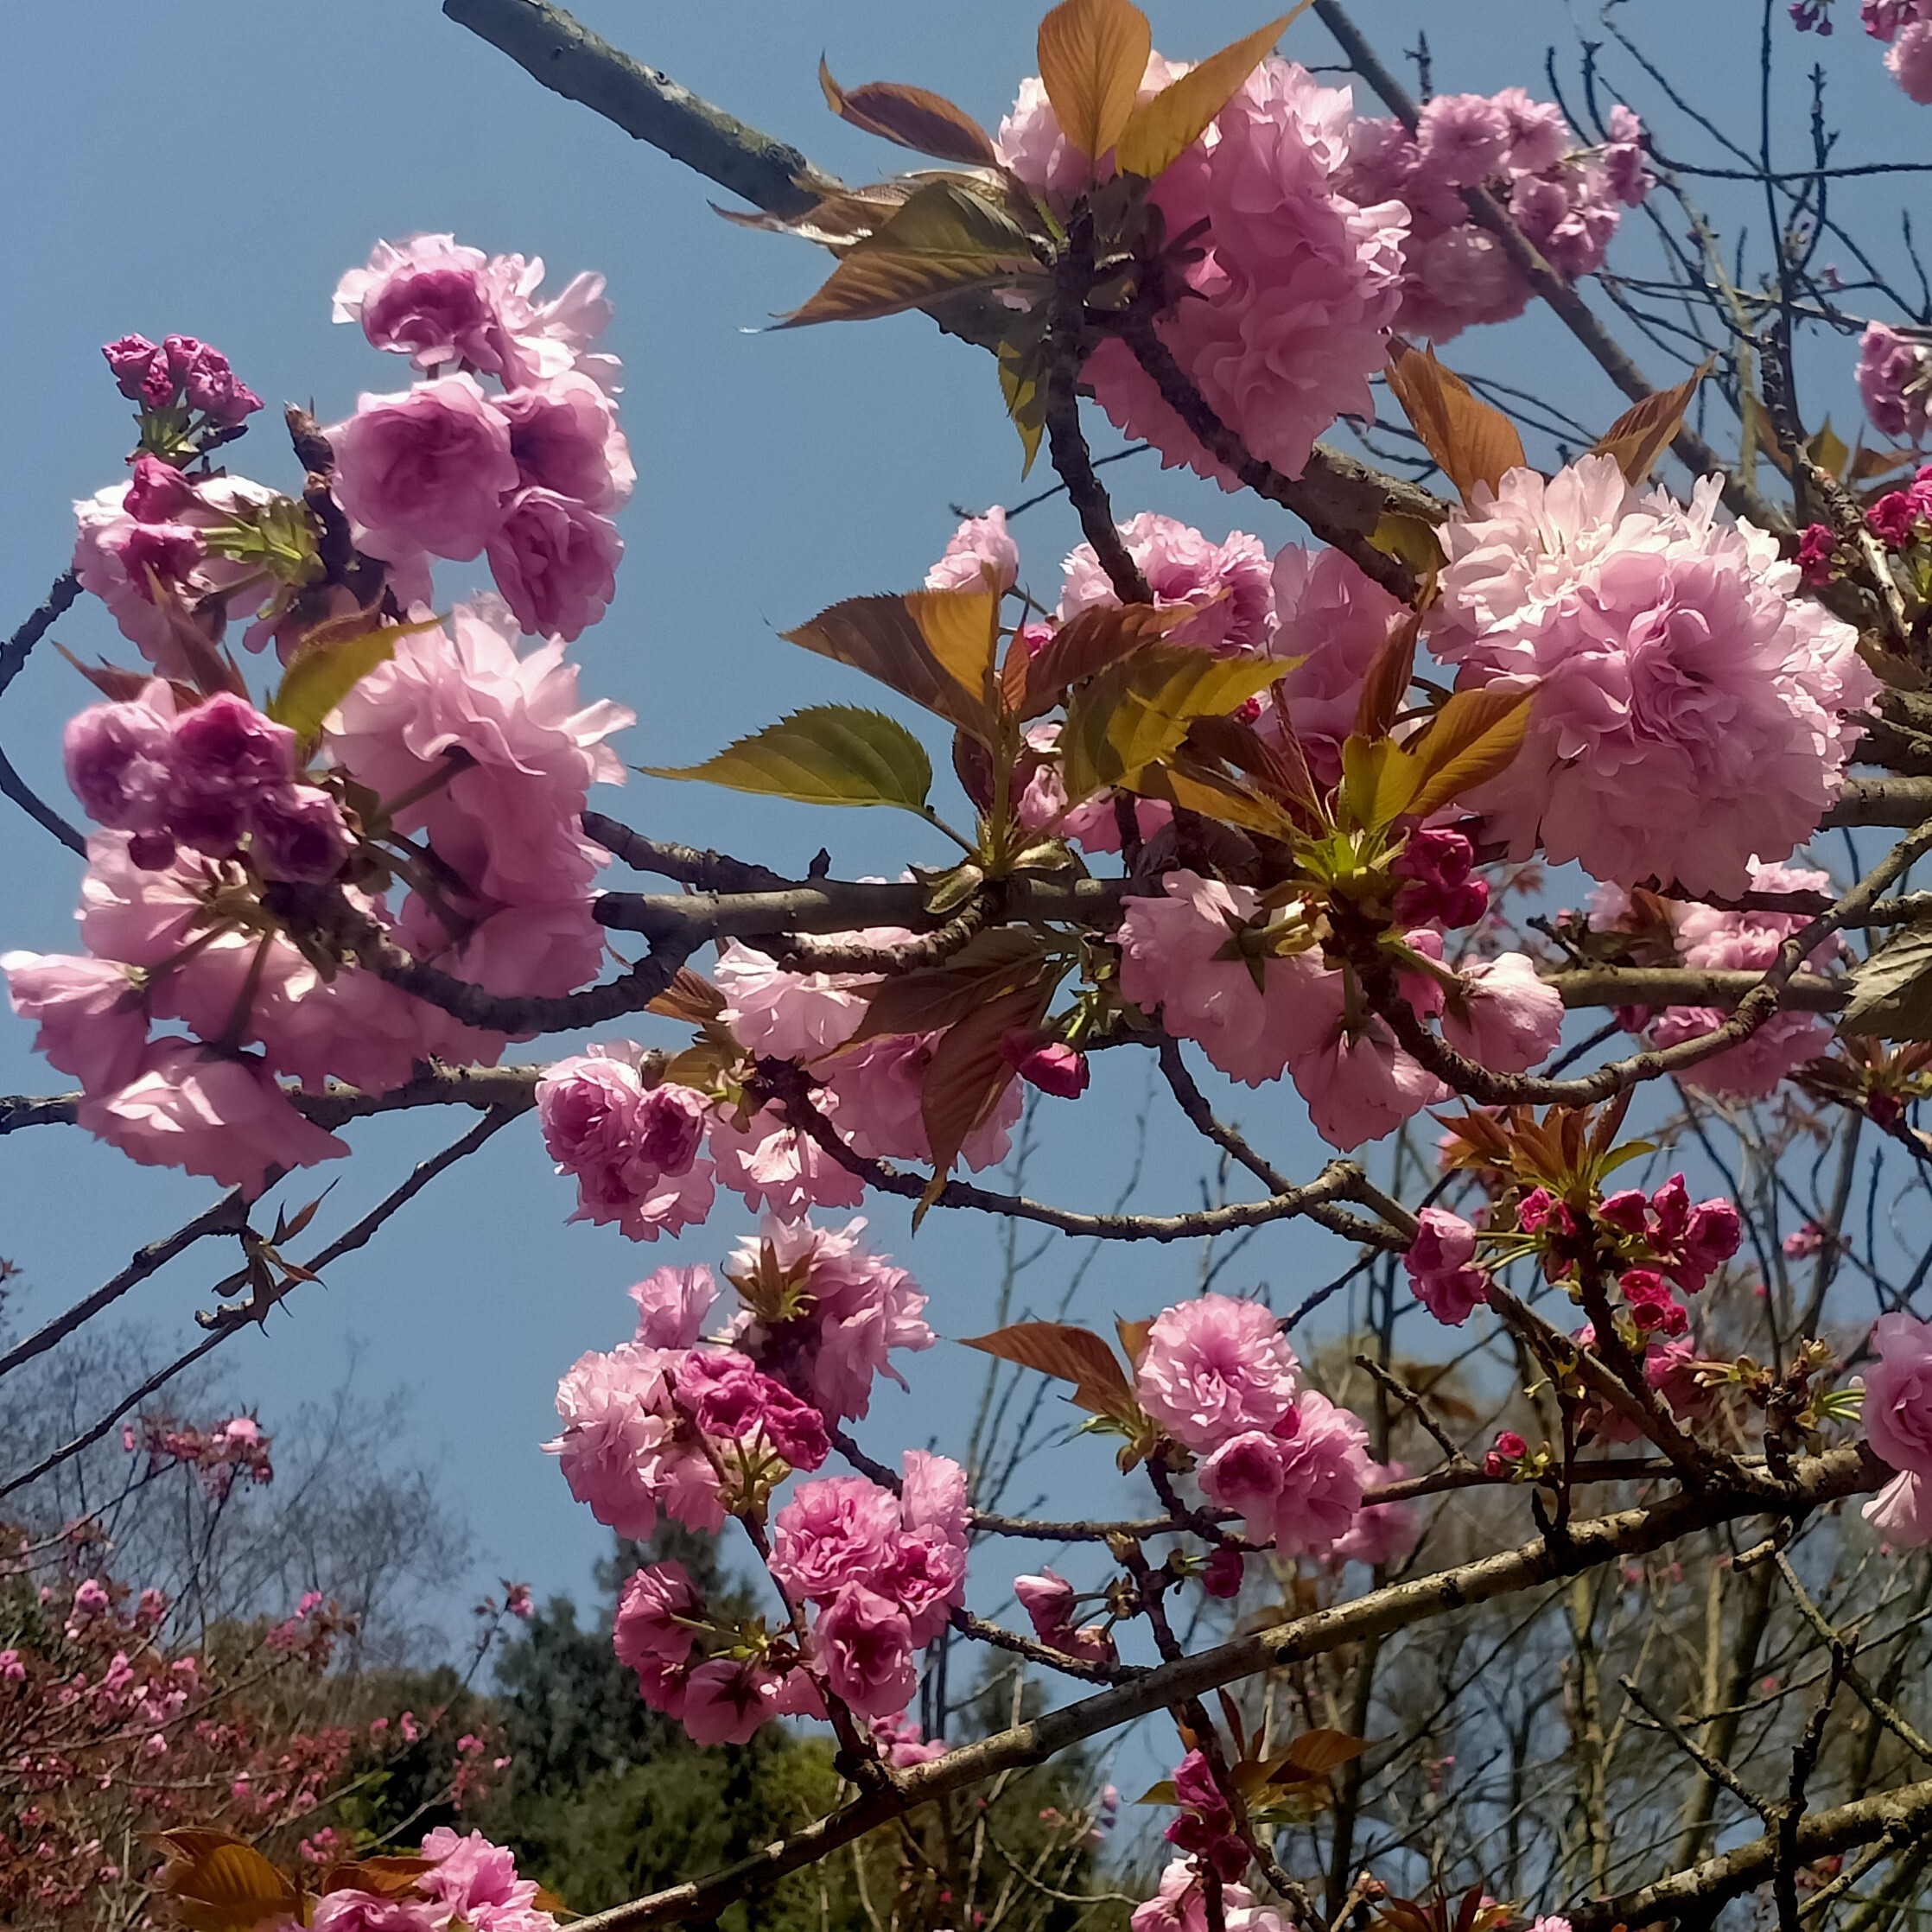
1093,54
1891,992
947,239
326,670
1379,781
1137,709
827,754
1160,130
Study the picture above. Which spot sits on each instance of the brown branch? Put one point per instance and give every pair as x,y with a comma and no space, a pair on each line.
55,605
1813,1481
710,871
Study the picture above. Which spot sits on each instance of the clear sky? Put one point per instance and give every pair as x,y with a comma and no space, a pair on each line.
211,168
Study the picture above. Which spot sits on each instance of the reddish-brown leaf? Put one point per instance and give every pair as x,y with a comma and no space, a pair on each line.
689,997
1092,56
1470,442
1316,1751
927,123
923,1002
1074,1355
1134,1337
970,1071
1391,672
1089,641
880,637
1642,434
215,1883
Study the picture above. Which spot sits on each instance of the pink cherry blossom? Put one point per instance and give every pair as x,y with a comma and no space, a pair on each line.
1333,618
430,468
1501,1015
879,1088
672,1303
1902,1510
1898,1393
1441,1266
1382,1534
979,555
727,1701
731,1402
841,1531
777,1167
790,1016
1215,1367
865,1644
565,436
207,1113
1895,381
427,298
1228,583
1689,711
89,1014
1909,60
120,760
353,1911
555,560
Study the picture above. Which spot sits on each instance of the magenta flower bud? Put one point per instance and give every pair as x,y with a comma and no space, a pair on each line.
1221,1575
1047,1600
1671,1206
212,385
297,834
181,351
226,745
157,554
211,822
118,760
1713,1235
1627,1209
1053,1066
130,357
1441,1267
669,1129
159,492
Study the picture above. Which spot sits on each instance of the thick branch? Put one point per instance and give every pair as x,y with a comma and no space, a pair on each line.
1814,1480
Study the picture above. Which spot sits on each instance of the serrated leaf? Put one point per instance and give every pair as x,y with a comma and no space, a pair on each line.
827,754
1472,739
880,637
1093,55
215,1882
325,671
1642,434
1279,767
392,1877
1472,443
1138,709
1892,991
962,629
1213,797
689,997
1089,641
927,123
944,240
1160,130
1075,1355
969,1072
991,962
1379,781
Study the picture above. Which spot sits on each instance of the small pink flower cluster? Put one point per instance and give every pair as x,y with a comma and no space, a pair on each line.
216,777
1668,1237
1290,284
633,1149
661,1422
1900,518
1895,378
470,1882
1202,955
1050,1604
1565,199
883,1573
175,557
1908,25
1205,1825
1181,1905
219,1454
1713,939
1689,712
447,469
1229,584
1441,1266
1898,1424
1219,1378
181,374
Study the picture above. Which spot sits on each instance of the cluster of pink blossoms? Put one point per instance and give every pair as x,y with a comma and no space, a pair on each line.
1895,378
447,469
701,1429
1567,201
1898,1426
219,1455
1219,1378
470,1882
1691,713
1709,939
1181,1905
1294,285
1259,1012
1907,24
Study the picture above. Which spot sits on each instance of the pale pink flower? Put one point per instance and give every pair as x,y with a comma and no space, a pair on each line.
1215,1367
1689,711
89,1012
477,1881
904,1744
1898,1393
777,1167
426,297
430,468
120,760
879,1087
1328,1469
1440,1264
207,1113
1358,1083
1382,1534
655,1612
555,561
672,1303
1902,1510
1909,60
1334,618
727,1701
565,436
865,1645
1292,298
1501,1015
788,1016
1895,381
1228,583
1463,139
1031,144
979,555
353,1911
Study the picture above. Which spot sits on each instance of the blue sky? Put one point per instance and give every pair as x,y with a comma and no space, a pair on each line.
211,168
